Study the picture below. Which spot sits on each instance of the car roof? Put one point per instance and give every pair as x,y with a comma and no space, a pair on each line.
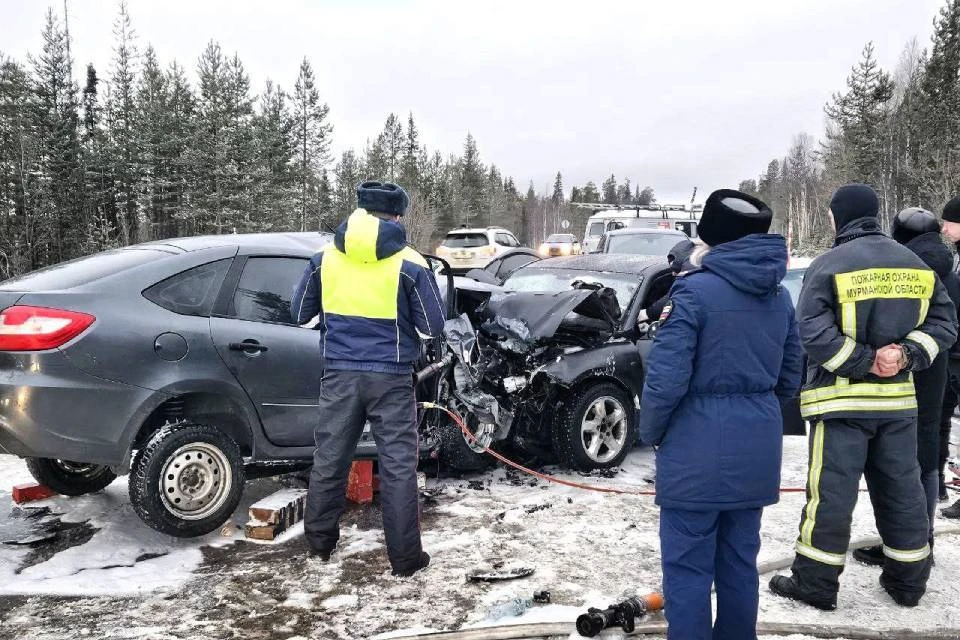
310,240
612,262
636,231
456,231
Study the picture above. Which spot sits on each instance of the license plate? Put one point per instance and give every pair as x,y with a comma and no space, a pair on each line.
463,255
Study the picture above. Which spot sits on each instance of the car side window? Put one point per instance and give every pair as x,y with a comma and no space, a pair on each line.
265,289
513,240
192,292
502,239
511,263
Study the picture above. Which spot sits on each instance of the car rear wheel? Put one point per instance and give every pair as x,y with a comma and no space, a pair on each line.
187,480
70,478
595,428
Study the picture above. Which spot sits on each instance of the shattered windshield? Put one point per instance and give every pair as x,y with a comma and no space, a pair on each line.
542,280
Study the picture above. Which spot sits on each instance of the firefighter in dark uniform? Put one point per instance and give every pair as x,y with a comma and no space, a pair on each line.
375,297
919,230
870,313
951,229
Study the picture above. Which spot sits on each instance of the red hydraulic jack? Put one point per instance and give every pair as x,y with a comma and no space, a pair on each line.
361,483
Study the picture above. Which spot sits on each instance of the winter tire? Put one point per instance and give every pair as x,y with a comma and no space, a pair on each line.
70,478
187,480
457,453
595,427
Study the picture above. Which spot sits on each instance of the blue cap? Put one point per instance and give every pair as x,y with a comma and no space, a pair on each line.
383,197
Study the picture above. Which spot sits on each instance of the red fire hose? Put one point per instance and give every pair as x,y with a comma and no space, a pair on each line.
543,476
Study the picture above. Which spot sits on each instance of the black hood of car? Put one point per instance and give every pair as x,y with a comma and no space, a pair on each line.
533,317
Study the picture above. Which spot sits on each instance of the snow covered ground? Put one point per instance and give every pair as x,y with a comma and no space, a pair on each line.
123,580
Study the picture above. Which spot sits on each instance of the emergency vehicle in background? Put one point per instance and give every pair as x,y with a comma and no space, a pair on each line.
681,217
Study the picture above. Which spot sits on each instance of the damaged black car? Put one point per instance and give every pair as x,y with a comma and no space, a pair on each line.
548,361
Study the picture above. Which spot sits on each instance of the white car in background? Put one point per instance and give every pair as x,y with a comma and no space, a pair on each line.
467,249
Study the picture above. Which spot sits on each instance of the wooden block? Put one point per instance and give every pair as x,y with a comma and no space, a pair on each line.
261,531
31,491
360,483
285,505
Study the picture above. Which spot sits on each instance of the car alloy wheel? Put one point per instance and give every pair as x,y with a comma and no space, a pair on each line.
604,428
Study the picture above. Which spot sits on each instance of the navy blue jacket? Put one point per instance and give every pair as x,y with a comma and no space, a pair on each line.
726,353
376,297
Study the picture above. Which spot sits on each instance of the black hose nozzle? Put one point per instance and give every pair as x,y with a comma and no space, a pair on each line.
623,614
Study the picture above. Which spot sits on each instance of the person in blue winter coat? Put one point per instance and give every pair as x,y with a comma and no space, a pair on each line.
725,354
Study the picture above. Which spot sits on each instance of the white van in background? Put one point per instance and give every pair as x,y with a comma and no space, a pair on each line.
652,216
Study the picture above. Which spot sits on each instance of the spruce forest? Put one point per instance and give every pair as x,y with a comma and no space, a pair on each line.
92,159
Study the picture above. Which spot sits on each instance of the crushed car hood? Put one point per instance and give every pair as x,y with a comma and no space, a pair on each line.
531,317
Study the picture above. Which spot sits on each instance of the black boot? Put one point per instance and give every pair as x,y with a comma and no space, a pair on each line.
953,511
787,587
406,572
902,598
870,555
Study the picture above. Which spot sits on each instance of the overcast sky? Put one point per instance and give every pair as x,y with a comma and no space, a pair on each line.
670,93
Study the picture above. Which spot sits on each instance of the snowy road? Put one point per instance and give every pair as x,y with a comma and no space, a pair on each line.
123,580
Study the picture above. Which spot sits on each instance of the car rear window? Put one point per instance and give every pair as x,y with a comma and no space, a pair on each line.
193,292
82,271
648,244
465,240
596,229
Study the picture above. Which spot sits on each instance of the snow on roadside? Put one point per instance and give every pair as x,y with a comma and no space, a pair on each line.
586,548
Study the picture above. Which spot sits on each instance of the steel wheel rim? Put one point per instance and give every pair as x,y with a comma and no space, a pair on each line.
196,481
603,430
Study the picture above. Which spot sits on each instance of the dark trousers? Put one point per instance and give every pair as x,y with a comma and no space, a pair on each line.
841,451
946,426
702,548
348,399
931,385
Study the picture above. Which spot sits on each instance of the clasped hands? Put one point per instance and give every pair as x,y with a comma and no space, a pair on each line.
889,361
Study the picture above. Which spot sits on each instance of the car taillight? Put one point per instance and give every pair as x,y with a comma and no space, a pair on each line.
25,328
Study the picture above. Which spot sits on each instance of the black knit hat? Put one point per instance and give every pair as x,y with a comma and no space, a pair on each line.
729,215
951,212
913,222
679,256
383,197
852,202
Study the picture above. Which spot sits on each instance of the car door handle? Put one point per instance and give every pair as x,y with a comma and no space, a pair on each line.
248,345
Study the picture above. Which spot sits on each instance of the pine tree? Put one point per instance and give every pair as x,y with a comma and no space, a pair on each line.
412,158
609,188
941,106
860,116
590,194
223,152
471,183
646,197
624,194
557,196
60,206
123,134
347,176
20,182
180,138
276,182
312,135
